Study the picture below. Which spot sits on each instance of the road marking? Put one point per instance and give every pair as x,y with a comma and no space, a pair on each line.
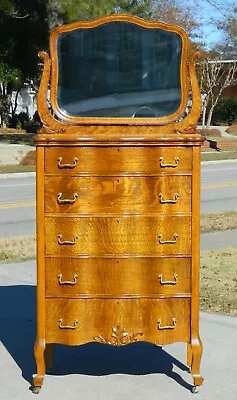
219,185
33,203
18,205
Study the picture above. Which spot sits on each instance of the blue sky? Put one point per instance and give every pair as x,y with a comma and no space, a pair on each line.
207,12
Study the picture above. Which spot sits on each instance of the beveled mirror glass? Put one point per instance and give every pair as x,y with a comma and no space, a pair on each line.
119,69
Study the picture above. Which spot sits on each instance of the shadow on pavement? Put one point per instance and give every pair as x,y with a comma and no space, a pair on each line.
18,332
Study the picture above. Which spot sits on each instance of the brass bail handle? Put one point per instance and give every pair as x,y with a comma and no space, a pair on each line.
65,242
67,282
66,201
162,201
75,159
168,282
168,241
60,321
163,165
160,327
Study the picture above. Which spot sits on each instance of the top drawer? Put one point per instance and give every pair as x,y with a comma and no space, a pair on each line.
117,160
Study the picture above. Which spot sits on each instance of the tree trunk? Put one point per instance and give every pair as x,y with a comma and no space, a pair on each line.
204,114
209,118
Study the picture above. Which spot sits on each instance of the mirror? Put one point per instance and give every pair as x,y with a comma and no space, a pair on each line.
119,69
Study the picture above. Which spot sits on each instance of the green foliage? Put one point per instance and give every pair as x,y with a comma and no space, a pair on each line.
22,121
73,10
4,109
10,76
24,31
142,8
226,110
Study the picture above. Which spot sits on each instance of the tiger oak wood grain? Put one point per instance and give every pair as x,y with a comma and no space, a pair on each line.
98,316
136,235
118,277
105,160
119,260
118,194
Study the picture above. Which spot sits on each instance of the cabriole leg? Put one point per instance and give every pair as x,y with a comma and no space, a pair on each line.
196,348
40,365
189,355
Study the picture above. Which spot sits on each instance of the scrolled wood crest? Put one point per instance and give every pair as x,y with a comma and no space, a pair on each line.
119,337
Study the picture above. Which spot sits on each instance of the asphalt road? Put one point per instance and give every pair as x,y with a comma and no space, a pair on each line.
17,206
218,187
17,197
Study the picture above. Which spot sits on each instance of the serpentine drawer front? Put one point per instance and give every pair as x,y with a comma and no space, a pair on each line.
127,160
99,236
73,322
118,194
118,191
118,277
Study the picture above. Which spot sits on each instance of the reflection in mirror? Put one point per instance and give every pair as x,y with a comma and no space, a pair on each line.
119,69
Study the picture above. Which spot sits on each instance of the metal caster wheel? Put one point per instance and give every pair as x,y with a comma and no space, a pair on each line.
195,389
36,389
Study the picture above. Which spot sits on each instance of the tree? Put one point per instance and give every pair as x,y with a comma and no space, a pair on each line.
10,78
169,11
72,10
23,32
216,75
182,14
229,29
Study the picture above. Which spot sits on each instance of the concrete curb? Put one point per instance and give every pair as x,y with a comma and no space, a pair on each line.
15,175
218,162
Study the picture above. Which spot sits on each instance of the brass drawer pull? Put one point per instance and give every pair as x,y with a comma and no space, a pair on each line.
60,321
67,282
176,196
67,241
67,201
67,165
168,241
176,160
168,282
167,326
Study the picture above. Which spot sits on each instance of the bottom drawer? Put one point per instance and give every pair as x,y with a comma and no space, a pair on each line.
117,321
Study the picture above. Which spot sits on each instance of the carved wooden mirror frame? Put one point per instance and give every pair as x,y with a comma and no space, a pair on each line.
173,123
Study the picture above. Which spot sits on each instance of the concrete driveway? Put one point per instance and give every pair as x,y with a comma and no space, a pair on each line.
99,372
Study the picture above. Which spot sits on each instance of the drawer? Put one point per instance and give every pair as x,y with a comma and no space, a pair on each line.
117,194
87,236
117,321
115,160
125,277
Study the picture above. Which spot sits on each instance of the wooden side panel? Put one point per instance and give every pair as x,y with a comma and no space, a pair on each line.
82,321
117,194
73,277
69,236
115,160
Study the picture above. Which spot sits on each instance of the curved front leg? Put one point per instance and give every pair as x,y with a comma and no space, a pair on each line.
38,378
196,352
189,355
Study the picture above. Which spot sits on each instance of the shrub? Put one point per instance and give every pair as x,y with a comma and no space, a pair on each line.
22,121
226,110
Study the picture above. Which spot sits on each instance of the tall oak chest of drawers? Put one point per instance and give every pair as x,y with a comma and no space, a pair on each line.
117,226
